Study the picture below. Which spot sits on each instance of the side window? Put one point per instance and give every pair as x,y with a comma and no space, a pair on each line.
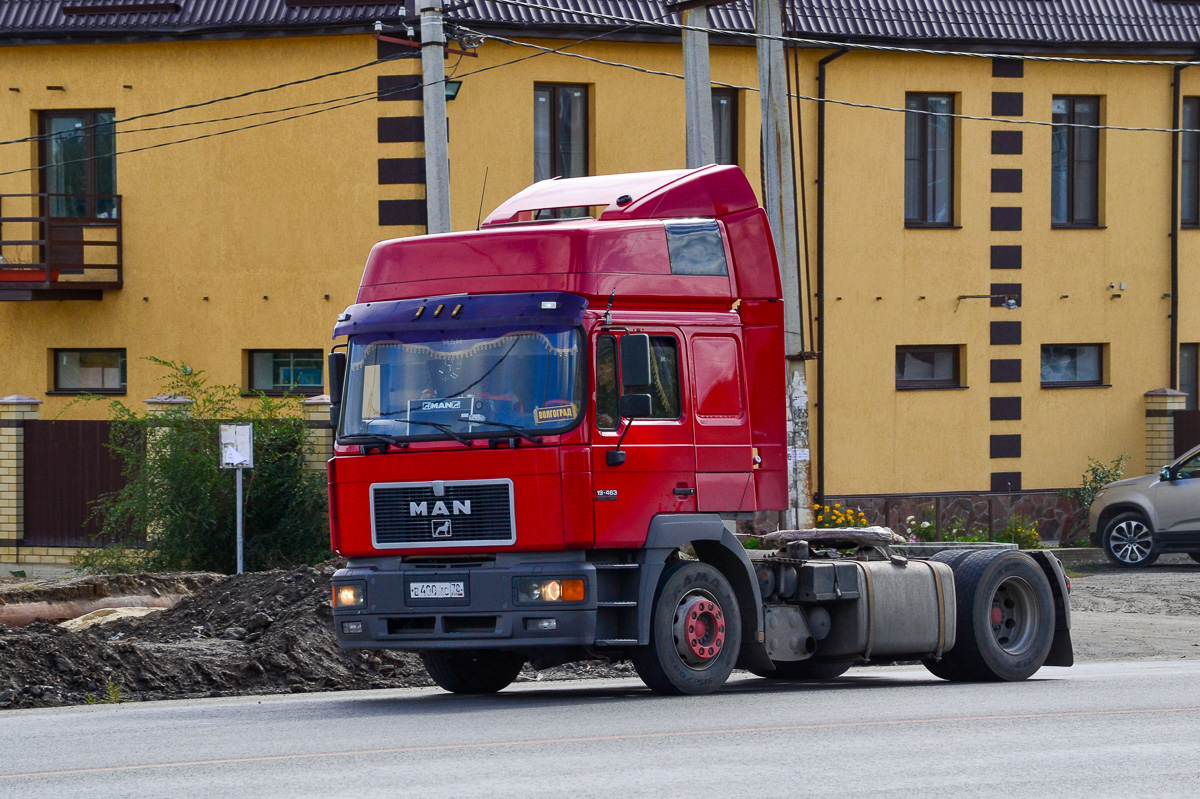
695,247
664,378
606,383
1189,468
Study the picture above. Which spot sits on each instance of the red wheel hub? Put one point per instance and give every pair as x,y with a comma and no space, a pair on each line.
997,614
703,629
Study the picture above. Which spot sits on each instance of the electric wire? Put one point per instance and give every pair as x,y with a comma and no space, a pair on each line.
887,48
350,100
851,104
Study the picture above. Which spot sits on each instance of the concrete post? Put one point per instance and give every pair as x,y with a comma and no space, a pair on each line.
1161,404
320,435
437,155
779,199
15,410
697,82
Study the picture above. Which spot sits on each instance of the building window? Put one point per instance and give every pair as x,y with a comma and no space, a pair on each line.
1189,188
89,371
560,131
286,371
927,367
79,167
724,111
1066,365
928,159
1075,162
1189,375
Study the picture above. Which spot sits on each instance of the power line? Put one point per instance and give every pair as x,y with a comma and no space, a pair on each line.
850,104
213,101
850,45
350,100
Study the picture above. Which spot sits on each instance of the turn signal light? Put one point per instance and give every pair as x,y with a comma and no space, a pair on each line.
348,596
550,590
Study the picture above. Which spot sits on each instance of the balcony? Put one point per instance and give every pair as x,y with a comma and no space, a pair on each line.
59,246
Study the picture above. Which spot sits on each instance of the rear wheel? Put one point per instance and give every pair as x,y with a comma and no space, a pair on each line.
1005,611
1128,541
695,632
473,672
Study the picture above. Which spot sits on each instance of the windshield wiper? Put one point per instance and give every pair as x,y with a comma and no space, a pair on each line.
403,442
507,426
372,438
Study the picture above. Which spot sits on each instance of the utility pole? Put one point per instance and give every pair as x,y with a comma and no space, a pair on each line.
437,156
779,199
697,82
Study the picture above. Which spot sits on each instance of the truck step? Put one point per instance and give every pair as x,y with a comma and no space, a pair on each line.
616,565
616,604
616,642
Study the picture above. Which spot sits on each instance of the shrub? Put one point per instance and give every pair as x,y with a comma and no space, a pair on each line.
177,510
1095,477
836,516
1022,531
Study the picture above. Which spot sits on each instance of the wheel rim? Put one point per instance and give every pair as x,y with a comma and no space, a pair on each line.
1130,541
699,629
1013,615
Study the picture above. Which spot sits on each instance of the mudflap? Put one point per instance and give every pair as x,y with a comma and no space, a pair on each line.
1061,651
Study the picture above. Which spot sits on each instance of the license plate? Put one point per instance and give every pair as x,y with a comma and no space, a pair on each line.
455,589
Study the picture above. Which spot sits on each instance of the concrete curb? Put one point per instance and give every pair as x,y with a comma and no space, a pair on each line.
1079,554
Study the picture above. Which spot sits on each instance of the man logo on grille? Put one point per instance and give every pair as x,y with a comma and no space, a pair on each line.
441,528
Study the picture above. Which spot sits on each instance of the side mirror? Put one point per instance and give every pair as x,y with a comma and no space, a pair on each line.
634,406
1166,474
337,376
635,360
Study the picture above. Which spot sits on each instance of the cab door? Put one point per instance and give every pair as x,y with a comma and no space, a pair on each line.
724,457
658,474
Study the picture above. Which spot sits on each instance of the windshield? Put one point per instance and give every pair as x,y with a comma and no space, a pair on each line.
476,384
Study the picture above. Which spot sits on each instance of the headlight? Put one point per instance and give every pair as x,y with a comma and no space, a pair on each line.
550,591
348,596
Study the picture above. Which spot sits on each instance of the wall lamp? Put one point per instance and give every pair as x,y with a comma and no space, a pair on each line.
1009,301
452,87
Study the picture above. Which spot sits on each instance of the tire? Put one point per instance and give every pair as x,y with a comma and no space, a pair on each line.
695,632
952,557
1128,541
1194,556
1005,625
808,669
473,672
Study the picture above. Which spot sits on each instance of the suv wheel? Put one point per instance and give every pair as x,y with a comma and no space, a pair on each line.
1129,542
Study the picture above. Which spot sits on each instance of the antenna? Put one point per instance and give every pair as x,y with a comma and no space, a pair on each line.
608,310
482,191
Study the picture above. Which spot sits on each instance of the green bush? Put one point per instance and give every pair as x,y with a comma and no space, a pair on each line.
1095,477
177,510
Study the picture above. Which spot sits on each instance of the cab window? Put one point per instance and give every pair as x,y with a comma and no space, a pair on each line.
664,378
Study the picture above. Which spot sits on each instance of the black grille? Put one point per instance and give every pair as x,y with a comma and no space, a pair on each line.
490,517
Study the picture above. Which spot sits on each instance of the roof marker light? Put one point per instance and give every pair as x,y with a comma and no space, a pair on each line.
456,310
549,305
420,311
438,310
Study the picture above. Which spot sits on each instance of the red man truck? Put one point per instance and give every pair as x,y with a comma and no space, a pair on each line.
547,427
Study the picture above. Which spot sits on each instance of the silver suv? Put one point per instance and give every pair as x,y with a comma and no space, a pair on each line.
1138,519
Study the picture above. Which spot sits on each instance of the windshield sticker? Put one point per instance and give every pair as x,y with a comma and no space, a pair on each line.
555,413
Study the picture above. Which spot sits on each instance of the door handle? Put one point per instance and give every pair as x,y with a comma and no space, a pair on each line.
684,492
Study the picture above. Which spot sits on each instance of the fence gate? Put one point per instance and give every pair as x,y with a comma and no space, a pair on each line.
1187,432
67,467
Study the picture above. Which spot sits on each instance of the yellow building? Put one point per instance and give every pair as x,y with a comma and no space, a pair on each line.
263,147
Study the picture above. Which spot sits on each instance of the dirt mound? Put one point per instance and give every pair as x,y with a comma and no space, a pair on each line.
266,632
77,589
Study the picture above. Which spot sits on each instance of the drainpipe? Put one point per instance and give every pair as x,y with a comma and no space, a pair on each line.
819,344
1175,92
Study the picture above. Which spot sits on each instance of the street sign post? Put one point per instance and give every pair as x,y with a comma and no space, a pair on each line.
237,452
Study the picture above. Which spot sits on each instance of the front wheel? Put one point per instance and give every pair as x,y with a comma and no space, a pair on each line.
473,672
1128,541
695,632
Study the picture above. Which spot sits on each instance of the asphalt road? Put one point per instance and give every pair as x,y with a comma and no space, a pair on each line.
1111,729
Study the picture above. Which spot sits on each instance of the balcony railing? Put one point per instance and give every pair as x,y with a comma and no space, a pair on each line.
48,256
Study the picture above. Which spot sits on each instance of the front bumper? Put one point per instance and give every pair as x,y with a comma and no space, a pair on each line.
488,617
